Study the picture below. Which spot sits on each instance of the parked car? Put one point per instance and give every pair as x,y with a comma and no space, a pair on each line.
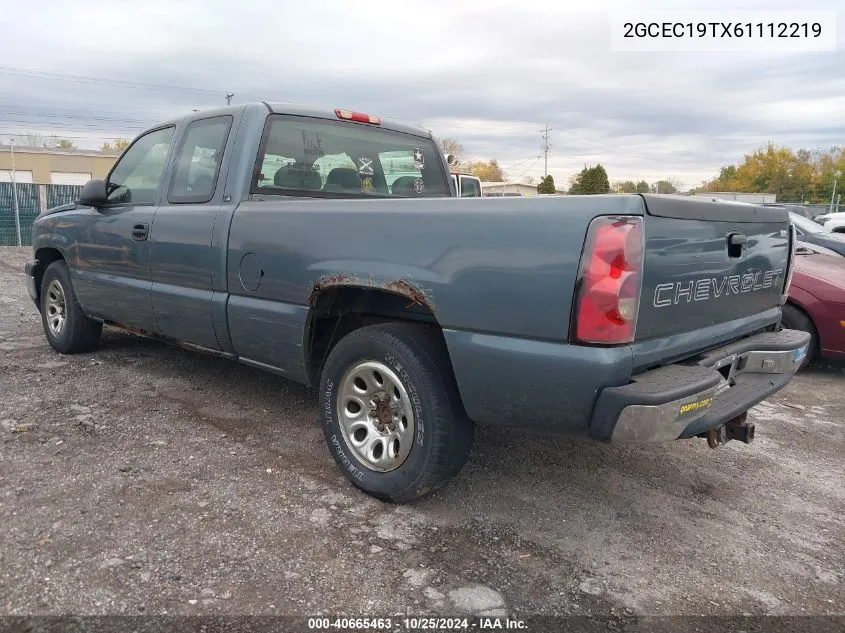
814,248
414,314
814,233
834,222
792,208
816,301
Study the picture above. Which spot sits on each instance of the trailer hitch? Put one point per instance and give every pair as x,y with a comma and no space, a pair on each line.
737,428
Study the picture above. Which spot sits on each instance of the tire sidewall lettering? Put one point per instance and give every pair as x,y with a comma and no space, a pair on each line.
410,387
336,444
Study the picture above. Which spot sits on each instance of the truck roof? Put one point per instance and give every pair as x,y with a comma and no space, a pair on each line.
294,110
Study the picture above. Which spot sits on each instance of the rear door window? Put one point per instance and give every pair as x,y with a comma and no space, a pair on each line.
198,162
324,158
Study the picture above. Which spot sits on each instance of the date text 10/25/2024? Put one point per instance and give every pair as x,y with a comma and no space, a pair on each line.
481,623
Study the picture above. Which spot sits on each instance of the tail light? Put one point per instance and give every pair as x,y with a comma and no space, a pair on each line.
358,117
607,294
790,266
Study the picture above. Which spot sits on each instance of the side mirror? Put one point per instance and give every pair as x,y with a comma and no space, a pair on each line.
451,160
93,194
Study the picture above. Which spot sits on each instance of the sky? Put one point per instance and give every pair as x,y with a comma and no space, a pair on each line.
490,74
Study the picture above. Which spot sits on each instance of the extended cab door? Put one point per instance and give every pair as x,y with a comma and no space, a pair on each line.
183,258
112,273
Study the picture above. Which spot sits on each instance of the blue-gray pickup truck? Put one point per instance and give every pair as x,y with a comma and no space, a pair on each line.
331,247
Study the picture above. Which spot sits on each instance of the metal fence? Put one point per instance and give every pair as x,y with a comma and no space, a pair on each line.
32,200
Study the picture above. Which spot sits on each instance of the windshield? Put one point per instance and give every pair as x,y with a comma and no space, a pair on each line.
302,156
805,225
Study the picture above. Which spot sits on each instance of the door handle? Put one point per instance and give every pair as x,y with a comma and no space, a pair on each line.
140,232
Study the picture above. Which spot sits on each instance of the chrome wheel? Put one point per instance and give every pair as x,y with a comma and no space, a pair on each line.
55,308
376,416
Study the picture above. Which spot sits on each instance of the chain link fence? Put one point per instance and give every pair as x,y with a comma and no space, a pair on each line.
32,200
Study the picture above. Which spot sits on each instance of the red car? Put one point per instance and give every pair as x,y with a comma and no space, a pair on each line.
817,302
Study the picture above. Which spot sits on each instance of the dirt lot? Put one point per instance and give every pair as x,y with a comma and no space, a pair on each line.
144,479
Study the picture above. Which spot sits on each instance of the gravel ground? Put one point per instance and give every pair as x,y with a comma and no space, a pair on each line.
143,479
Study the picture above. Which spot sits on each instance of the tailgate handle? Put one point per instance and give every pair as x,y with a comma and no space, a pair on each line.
735,243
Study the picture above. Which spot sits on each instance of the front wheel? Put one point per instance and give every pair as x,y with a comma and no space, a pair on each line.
66,326
391,413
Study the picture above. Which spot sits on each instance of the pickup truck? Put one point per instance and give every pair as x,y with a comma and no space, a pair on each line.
330,247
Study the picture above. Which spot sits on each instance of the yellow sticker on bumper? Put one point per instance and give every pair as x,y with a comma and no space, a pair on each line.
695,406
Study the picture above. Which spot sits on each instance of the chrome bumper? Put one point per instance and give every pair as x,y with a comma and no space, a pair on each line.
685,399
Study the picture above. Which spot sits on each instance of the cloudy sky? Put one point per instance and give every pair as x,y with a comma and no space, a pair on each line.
489,73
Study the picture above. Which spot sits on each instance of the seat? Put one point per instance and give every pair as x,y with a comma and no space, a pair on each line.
343,180
202,185
404,186
301,177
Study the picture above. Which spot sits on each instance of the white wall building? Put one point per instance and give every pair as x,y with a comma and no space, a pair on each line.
755,198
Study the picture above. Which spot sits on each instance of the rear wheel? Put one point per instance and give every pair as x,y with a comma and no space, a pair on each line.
67,328
795,318
391,413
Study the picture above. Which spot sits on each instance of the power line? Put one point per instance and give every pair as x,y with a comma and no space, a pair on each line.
93,137
71,116
115,127
38,74
529,167
524,160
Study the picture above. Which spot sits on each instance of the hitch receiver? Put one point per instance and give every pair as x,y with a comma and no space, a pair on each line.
737,428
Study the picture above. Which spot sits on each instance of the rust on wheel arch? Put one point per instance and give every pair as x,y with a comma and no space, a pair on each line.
403,287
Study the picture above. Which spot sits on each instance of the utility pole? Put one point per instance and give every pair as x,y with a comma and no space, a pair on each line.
546,149
15,193
229,98
836,176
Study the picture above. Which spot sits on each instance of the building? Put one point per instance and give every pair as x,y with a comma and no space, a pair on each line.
509,189
754,198
54,166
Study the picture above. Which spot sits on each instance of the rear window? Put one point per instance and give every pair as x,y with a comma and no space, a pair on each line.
313,157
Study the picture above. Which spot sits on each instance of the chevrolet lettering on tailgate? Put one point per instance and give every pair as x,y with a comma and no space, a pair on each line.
707,288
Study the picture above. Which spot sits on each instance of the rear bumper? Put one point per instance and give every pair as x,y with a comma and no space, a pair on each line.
685,399
29,270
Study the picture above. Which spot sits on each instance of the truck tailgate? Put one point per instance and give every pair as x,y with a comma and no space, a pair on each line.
709,262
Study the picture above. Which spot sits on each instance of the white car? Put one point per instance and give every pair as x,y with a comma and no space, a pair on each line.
832,221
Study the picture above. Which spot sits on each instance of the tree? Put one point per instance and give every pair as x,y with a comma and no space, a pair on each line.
626,186
665,186
487,172
793,176
591,180
65,144
32,139
642,187
547,185
451,146
119,145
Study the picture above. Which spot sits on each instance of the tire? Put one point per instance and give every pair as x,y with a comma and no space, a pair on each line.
795,318
434,438
67,328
